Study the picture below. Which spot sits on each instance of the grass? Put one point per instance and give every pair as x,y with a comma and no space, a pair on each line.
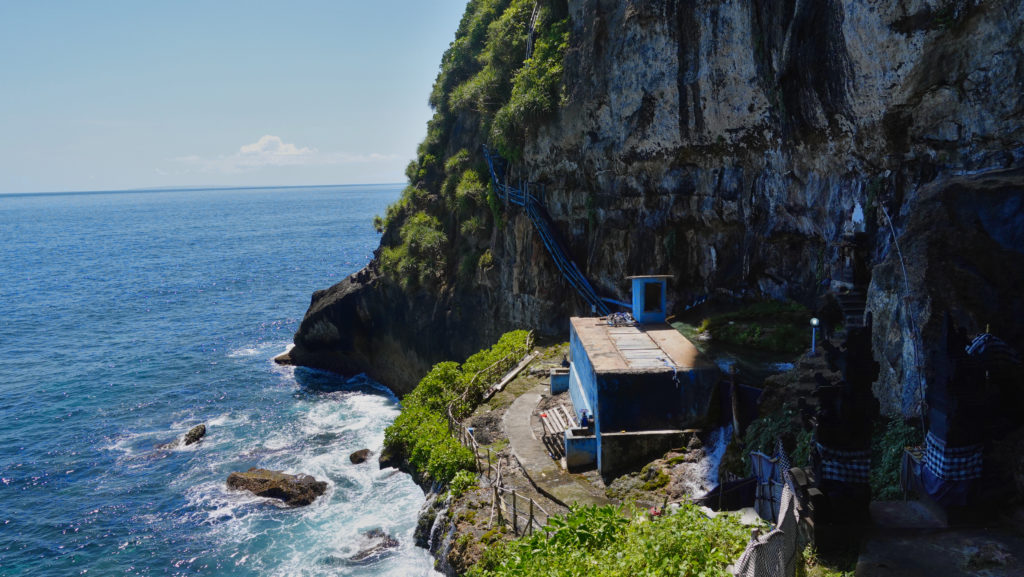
770,325
815,565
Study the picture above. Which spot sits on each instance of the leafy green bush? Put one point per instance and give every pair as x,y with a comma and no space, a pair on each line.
887,445
462,481
420,432
762,433
599,541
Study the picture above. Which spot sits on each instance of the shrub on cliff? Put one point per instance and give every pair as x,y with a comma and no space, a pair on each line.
599,541
420,433
420,259
487,90
536,91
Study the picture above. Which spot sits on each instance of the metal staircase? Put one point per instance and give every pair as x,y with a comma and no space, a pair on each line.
542,224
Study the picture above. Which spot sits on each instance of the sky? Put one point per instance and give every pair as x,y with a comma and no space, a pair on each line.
110,95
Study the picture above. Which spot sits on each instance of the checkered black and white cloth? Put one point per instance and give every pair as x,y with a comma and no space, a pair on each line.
845,466
952,463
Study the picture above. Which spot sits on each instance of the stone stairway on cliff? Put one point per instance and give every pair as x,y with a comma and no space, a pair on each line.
852,303
538,215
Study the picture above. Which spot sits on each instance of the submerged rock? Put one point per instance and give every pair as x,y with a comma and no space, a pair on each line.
380,544
195,434
360,456
294,490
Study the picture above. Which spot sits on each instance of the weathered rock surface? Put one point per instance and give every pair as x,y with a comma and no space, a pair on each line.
195,434
294,490
360,456
728,144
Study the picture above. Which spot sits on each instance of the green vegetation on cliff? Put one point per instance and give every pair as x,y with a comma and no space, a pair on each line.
420,433
487,91
770,325
597,541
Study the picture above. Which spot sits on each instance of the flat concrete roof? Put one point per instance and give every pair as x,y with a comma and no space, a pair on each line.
649,348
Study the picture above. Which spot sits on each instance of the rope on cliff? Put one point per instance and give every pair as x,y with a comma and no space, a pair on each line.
533,27
919,390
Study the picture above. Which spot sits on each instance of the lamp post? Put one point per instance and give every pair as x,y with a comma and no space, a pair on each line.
814,335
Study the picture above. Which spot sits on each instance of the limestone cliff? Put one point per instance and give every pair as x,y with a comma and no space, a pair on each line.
727,143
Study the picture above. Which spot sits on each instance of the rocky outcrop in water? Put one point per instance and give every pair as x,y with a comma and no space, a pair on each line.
380,544
294,490
195,434
360,456
731,144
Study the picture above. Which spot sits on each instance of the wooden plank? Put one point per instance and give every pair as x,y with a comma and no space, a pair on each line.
510,375
570,419
559,423
549,427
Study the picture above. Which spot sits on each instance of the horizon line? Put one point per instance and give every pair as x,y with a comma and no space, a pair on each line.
186,188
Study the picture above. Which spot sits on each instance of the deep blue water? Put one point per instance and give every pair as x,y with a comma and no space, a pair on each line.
126,318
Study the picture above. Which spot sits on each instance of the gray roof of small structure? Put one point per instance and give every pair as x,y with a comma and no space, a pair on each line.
649,348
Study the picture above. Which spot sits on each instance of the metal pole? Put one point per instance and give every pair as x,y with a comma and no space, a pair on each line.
814,335
515,517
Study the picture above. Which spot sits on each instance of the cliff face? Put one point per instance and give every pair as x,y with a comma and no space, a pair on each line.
727,143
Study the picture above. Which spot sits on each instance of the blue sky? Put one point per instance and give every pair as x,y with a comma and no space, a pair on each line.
106,95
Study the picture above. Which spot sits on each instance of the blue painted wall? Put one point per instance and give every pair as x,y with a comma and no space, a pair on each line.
580,451
582,388
559,382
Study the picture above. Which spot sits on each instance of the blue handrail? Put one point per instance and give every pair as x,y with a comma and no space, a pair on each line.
542,223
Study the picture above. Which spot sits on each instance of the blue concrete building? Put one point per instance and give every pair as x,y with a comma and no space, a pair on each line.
637,386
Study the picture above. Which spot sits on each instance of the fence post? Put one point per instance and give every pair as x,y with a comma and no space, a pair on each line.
530,523
489,470
498,503
515,517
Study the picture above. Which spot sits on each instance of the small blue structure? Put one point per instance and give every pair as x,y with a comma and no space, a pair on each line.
639,384
649,303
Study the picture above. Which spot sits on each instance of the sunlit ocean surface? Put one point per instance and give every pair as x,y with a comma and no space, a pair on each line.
127,318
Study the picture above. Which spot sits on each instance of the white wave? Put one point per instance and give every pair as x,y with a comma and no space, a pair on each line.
258,349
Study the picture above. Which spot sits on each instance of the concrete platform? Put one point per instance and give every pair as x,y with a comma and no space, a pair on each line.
544,471
908,540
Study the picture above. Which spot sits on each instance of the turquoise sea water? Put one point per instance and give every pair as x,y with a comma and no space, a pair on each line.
126,318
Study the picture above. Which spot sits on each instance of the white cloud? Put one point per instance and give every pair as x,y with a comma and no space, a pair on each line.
271,146
272,150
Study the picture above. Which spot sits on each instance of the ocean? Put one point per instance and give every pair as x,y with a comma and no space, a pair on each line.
128,317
